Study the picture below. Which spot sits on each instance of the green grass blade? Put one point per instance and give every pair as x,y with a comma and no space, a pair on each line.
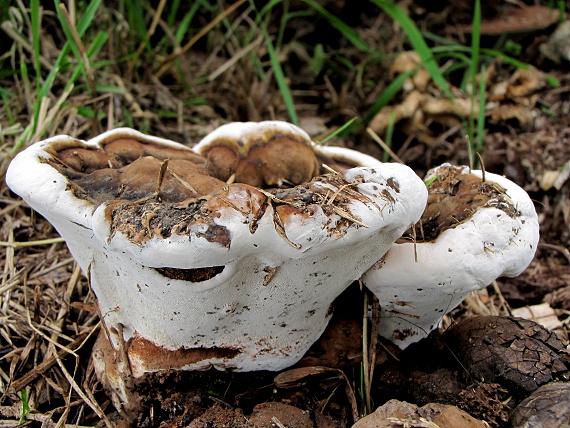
391,90
6,93
505,58
431,180
438,39
475,43
389,93
89,113
114,61
6,97
280,78
100,39
481,113
346,30
136,20
446,50
417,41
110,89
318,60
87,18
472,71
553,81
338,132
80,67
82,26
97,44
36,32
265,10
44,88
25,77
282,24
174,5
561,10
25,406
184,25
48,83
464,59
68,34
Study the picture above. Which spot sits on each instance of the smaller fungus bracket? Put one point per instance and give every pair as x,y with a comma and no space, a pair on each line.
471,232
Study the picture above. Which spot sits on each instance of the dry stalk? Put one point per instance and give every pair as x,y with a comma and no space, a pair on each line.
43,335
281,230
123,350
347,216
375,323
82,50
47,115
384,146
235,58
10,28
9,268
182,181
277,422
150,32
14,244
92,404
565,252
47,364
328,168
504,304
365,347
165,65
161,172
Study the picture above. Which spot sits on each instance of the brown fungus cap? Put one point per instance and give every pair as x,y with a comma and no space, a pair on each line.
118,151
172,181
454,196
132,168
261,154
265,154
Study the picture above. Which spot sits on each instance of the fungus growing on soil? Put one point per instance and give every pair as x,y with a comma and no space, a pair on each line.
476,227
228,255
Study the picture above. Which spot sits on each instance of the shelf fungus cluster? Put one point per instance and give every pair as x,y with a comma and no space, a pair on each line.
228,254
476,227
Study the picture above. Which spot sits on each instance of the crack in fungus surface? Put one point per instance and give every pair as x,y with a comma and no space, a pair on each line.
191,275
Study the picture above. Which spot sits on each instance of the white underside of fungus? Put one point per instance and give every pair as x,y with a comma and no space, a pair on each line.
418,283
239,278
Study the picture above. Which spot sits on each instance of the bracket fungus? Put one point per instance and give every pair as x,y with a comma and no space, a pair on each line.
477,226
226,255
